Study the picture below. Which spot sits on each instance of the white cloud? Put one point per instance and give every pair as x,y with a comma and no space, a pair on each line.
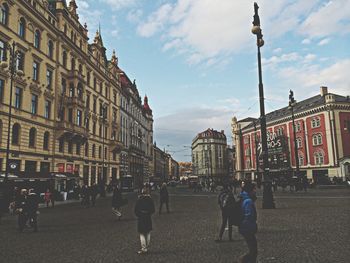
89,16
306,41
324,41
115,33
119,4
134,16
277,50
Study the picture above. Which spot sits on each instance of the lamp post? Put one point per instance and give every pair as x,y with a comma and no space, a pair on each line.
103,116
268,201
258,179
292,103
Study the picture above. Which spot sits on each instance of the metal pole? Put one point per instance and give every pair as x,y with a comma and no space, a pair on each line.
268,201
12,67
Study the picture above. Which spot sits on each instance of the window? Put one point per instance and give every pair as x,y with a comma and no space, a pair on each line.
87,149
16,129
298,126
70,115
35,71
61,145
105,153
71,90
70,147
100,152
106,92
315,122
87,101
80,91
280,131
317,139
88,78
64,86
2,51
34,108
46,140
20,61
18,98
50,49
37,36
72,64
301,160
77,148
65,29
115,98
94,105
87,124
80,69
299,143
2,87
22,27
32,135
79,117
47,112
49,78
4,14
319,158
100,130
93,150
95,83
101,88
64,59
94,128
114,116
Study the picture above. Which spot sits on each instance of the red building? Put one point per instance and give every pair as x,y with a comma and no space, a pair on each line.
322,127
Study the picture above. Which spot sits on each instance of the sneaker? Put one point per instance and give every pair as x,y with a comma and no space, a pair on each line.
141,252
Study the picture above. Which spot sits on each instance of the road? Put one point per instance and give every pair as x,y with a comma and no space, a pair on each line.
305,227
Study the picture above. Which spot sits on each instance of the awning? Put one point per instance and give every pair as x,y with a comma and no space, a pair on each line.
32,176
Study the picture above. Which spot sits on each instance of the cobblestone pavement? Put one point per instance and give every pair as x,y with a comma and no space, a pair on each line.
305,227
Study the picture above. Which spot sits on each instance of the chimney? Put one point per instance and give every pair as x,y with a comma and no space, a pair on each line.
324,90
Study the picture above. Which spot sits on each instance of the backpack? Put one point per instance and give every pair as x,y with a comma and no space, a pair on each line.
236,216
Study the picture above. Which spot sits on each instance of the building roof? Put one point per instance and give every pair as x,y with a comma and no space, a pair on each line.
301,106
211,133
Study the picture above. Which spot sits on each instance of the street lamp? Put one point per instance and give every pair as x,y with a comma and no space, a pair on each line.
14,55
292,103
103,117
268,201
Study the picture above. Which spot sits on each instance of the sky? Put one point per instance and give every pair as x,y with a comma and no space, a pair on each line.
196,60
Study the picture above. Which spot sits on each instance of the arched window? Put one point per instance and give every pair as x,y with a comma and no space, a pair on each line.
298,126
64,59
317,139
37,36
32,135
46,140
299,143
319,158
315,122
71,90
93,150
16,130
4,14
50,49
22,27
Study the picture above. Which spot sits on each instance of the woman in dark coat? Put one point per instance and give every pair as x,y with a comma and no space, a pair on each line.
117,202
144,208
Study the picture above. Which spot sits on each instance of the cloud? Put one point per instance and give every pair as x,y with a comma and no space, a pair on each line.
324,41
119,4
89,16
134,16
306,41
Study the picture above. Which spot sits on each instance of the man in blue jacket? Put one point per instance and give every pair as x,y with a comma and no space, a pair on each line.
248,227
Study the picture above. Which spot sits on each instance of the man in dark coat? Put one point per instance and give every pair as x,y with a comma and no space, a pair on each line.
20,208
117,202
248,227
31,208
144,208
164,198
226,202
93,193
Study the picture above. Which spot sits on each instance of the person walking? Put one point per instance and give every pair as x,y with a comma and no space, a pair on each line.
20,204
164,198
248,227
93,193
226,203
144,208
48,198
117,202
85,201
31,207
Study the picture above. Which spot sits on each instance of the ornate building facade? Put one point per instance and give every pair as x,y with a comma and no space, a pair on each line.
322,125
74,110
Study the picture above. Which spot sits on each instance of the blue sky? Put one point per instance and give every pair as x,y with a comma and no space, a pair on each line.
196,59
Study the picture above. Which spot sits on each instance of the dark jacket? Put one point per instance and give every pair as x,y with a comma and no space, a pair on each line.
226,201
32,203
164,195
144,208
248,225
117,199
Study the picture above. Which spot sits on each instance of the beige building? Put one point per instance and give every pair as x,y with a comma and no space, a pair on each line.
209,155
73,110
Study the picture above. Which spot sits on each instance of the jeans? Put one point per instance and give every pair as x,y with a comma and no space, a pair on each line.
225,221
145,239
252,254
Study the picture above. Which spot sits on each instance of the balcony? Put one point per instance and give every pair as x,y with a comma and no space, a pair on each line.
116,146
74,101
71,131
